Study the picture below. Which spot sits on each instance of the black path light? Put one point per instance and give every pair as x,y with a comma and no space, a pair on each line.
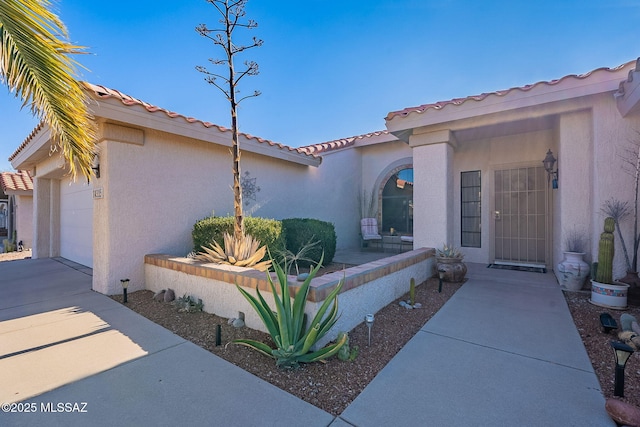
622,353
441,273
125,285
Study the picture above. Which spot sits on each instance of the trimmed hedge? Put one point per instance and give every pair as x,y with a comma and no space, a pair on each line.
299,231
267,231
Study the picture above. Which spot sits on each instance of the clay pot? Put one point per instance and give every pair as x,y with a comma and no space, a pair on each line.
454,269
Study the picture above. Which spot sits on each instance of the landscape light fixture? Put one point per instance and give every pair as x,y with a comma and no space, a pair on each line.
548,163
368,319
125,285
441,273
622,353
95,165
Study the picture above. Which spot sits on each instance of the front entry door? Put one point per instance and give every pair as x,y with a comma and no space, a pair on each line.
520,216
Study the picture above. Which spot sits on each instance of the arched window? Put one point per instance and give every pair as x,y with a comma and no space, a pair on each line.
397,203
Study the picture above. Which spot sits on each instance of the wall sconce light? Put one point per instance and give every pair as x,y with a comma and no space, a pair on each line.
95,165
622,353
441,273
125,285
368,319
548,162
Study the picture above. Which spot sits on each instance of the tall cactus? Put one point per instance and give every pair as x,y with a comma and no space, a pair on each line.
605,253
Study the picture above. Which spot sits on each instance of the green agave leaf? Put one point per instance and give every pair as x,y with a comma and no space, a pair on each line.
300,302
281,315
312,337
325,305
256,345
330,320
323,353
263,311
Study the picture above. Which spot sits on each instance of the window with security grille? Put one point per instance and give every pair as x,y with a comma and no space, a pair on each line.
470,201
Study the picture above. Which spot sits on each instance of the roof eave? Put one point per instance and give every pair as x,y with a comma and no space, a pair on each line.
597,82
36,149
628,94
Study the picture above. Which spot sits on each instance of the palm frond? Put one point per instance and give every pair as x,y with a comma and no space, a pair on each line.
35,63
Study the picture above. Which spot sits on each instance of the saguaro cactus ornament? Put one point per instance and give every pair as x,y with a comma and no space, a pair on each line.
604,273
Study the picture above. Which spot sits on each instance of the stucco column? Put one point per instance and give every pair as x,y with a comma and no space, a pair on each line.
433,219
573,201
41,213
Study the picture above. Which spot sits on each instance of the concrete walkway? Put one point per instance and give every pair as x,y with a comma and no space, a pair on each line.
502,351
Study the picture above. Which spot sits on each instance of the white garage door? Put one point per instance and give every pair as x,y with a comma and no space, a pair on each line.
76,221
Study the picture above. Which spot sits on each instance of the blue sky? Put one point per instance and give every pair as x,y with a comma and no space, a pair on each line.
334,69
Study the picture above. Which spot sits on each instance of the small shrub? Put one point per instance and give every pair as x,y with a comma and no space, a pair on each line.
188,304
346,352
267,231
298,232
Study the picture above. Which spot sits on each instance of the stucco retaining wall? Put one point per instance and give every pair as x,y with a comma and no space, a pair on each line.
367,287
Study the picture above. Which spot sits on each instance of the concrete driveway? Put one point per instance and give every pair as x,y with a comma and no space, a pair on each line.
73,357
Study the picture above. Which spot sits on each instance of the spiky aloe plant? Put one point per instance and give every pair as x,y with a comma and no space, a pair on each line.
245,252
288,324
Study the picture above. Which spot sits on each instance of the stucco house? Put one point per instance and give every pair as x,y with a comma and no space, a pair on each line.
18,187
479,177
451,171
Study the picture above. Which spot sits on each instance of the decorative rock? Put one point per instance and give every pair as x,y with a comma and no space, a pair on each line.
630,338
402,303
622,412
169,295
302,277
159,296
417,305
238,323
635,327
408,306
626,320
230,321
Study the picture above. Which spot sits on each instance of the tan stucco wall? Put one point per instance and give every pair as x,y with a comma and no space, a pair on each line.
612,176
152,196
24,219
155,186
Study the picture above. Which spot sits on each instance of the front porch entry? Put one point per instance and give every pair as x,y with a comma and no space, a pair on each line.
520,216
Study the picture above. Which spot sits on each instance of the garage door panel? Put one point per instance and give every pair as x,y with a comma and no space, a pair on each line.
76,222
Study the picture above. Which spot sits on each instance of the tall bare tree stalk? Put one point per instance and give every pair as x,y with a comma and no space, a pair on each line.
231,11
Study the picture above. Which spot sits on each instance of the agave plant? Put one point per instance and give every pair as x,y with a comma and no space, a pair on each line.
449,251
245,252
301,255
288,324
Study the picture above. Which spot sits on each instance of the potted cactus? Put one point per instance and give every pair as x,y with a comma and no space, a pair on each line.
449,264
604,291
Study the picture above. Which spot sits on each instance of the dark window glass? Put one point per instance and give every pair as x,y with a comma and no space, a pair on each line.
470,209
397,203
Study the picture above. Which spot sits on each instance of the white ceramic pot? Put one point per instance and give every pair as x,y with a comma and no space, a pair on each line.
572,271
609,295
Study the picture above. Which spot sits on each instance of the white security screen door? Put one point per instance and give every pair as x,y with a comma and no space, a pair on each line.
520,216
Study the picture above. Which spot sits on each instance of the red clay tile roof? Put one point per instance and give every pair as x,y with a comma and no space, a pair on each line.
102,92
339,143
624,83
458,101
19,181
